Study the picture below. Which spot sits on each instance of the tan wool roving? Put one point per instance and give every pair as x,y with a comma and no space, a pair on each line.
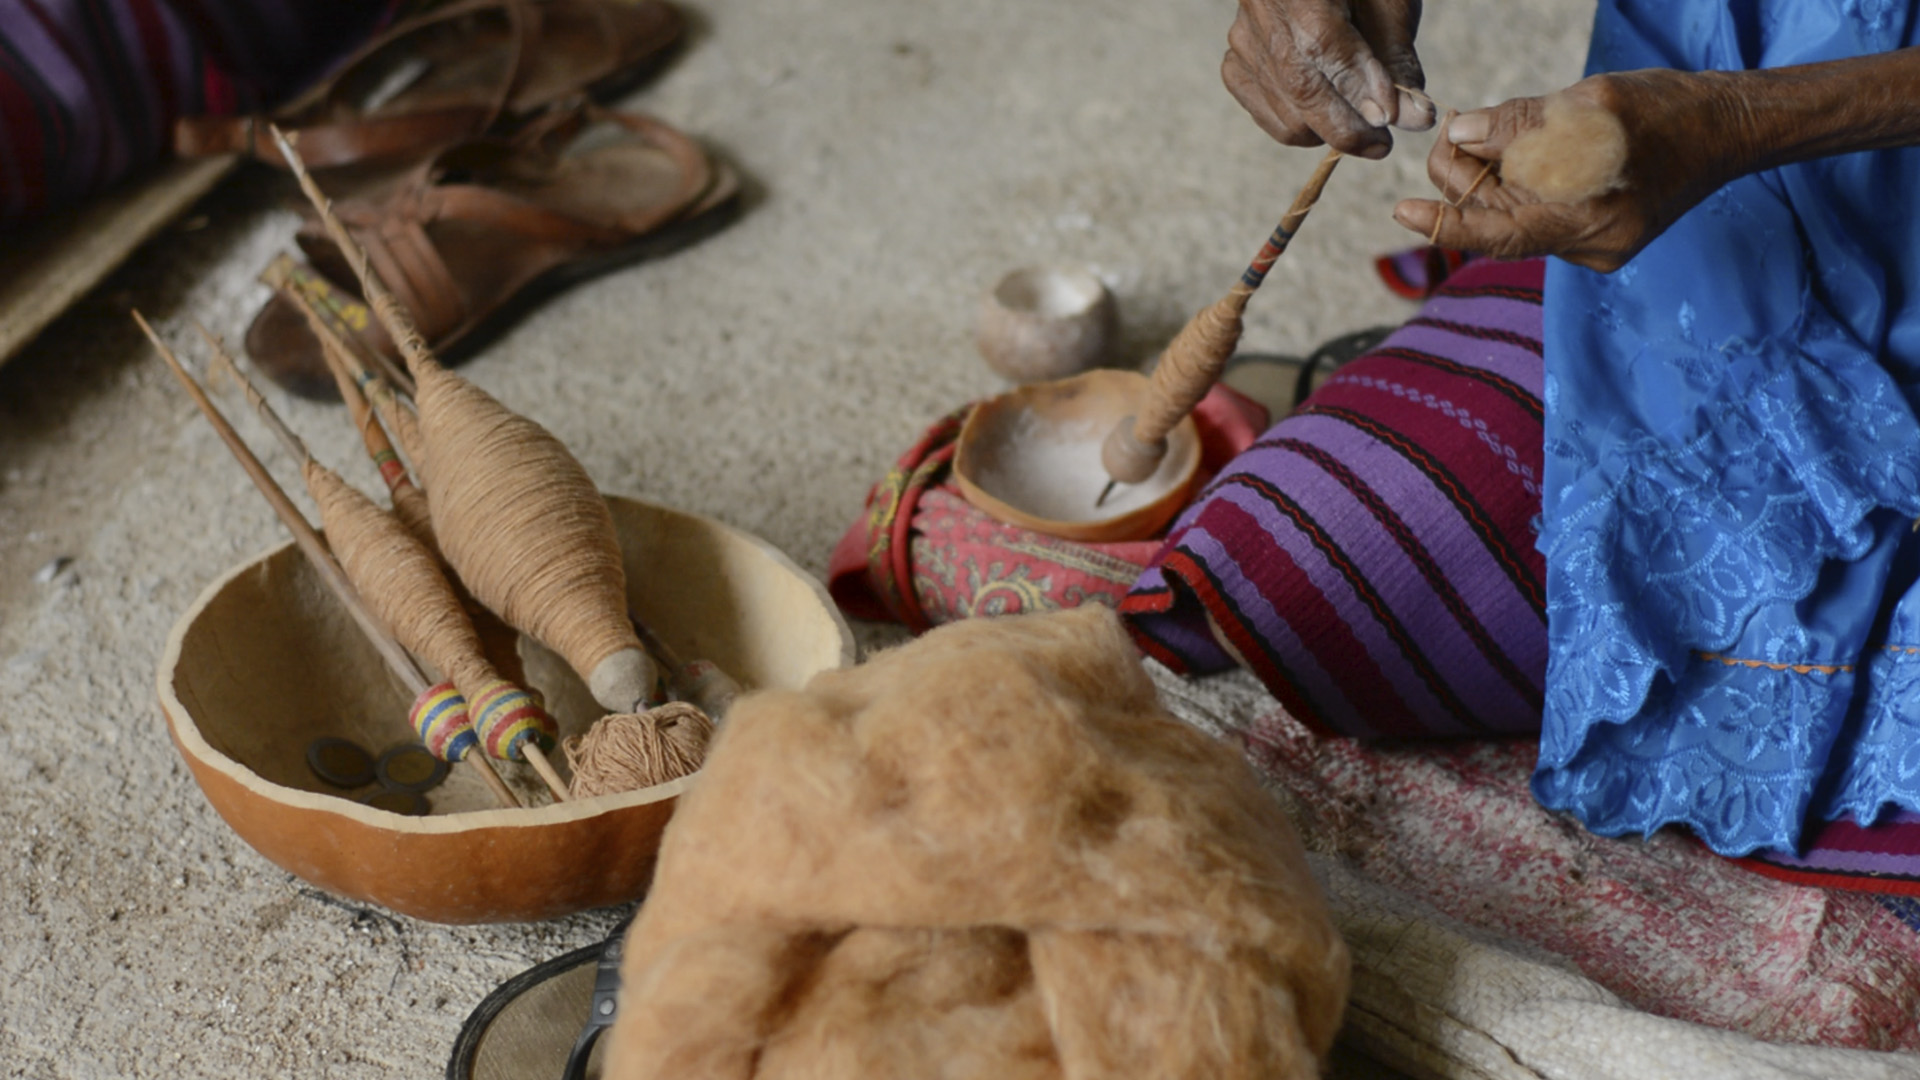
986,854
1578,152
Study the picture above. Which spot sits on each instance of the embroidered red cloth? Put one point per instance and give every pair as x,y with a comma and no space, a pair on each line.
922,555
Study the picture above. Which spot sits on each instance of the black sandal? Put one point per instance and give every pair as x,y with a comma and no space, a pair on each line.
545,1022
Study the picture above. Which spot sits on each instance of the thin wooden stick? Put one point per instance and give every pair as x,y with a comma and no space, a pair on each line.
399,323
297,448
537,758
315,549
291,280
351,377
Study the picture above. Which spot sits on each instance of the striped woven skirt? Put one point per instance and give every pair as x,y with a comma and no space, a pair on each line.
1372,556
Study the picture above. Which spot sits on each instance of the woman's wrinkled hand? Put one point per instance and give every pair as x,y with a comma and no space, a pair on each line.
1314,71
1680,137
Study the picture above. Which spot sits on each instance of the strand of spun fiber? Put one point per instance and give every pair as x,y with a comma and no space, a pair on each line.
1453,155
1420,95
517,516
1194,360
313,547
399,579
627,752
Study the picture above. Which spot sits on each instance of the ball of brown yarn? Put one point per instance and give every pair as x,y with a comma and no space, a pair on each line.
630,751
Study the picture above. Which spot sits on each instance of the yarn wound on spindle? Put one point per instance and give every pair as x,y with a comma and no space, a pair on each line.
528,532
402,584
505,493
439,716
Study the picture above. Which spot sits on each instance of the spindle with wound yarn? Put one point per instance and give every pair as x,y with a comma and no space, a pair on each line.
401,582
1195,358
449,715
516,515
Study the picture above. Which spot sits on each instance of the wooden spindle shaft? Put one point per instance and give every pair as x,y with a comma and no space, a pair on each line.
350,376
1194,361
315,549
478,675
398,322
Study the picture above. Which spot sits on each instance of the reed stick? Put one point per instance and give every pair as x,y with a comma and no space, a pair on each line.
398,322
315,549
355,384
298,449
510,487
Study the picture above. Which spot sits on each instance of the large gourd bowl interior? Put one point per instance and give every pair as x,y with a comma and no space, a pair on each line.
267,660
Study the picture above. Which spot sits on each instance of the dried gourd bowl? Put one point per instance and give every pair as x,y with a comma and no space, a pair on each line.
266,661
1031,458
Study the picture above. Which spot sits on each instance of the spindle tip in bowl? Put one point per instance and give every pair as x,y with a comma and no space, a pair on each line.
1128,459
625,682
1041,323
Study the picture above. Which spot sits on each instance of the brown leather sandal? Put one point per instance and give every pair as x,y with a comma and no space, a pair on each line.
491,227
453,74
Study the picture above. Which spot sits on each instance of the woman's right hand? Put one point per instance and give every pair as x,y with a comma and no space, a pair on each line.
1314,71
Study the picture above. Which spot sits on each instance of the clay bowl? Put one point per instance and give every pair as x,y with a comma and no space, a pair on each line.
266,661
1031,457
1046,323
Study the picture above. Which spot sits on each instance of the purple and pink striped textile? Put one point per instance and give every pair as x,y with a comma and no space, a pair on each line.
1371,557
89,89
1883,857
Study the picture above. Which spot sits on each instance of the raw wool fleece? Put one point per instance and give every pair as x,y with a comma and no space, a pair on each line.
1578,152
989,853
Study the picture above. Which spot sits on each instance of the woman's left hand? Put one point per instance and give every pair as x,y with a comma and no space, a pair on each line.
1685,136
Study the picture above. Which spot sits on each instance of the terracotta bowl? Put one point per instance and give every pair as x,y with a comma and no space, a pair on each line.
1031,457
266,661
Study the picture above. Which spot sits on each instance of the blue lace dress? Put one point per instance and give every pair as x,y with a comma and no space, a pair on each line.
1733,475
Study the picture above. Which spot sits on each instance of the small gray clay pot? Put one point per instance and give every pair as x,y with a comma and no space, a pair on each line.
1042,323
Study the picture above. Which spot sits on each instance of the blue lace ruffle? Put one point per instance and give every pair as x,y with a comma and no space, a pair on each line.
1733,458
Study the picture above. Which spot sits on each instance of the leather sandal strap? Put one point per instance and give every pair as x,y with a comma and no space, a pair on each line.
370,138
696,168
326,145
533,224
408,264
